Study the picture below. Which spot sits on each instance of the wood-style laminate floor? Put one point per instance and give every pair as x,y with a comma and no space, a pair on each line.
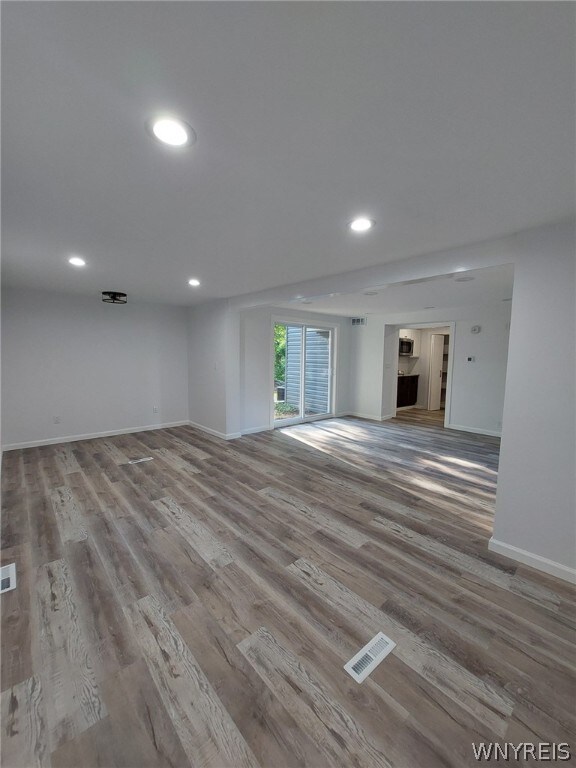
197,609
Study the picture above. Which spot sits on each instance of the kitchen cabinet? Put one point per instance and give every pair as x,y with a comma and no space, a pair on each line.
414,334
407,391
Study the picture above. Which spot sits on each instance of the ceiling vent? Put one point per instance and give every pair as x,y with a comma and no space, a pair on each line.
114,297
358,320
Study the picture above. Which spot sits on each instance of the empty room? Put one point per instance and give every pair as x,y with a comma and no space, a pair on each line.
288,384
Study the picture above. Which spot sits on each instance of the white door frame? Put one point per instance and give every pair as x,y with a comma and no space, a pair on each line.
432,373
391,381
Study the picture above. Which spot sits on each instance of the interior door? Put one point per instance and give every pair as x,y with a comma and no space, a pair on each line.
435,373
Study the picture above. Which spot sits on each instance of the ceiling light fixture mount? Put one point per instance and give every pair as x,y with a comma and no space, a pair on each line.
171,131
114,297
361,224
194,282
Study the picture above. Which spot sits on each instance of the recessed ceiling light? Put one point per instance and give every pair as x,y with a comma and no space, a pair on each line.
370,293
76,261
464,279
194,282
361,224
172,131
429,307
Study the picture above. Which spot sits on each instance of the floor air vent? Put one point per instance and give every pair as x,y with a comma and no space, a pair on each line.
367,659
139,461
7,577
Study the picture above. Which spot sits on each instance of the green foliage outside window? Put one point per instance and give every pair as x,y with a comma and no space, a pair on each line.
280,353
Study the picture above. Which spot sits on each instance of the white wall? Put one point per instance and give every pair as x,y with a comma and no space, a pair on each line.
367,368
478,387
99,367
207,375
256,368
536,499
257,359
389,385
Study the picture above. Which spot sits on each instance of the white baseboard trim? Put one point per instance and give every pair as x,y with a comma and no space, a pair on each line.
370,416
253,430
92,435
214,432
534,561
488,432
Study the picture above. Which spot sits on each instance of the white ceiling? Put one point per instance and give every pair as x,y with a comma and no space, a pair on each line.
448,123
487,286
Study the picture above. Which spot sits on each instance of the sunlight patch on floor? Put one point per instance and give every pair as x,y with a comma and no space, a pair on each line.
470,464
468,476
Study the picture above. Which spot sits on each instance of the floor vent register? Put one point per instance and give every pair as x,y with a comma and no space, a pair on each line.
368,658
7,577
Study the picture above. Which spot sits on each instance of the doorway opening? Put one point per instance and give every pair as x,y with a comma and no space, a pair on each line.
302,373
438,371
424,371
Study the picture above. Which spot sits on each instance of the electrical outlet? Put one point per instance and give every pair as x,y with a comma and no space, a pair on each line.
155,409
56,419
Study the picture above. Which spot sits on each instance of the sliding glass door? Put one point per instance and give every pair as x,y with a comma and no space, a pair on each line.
302,372
317,369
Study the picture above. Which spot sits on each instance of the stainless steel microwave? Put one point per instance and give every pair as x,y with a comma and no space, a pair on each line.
406,347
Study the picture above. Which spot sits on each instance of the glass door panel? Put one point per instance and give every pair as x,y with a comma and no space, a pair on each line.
288,344
317,368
